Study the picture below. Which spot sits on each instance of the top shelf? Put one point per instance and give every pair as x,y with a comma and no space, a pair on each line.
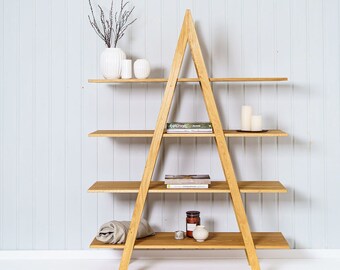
164,80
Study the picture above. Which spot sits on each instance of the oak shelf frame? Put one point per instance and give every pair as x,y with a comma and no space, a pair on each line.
245,239
188,80
216,240
159,187
149,134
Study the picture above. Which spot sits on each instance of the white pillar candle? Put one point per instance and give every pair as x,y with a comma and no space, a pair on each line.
256,123
246,118
126,69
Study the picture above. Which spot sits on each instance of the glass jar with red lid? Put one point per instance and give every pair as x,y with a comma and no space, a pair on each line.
193,219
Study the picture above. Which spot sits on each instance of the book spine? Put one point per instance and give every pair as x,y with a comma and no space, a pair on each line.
177,125
187,181
187,186
189,130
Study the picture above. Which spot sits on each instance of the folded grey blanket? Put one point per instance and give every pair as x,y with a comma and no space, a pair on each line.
115,232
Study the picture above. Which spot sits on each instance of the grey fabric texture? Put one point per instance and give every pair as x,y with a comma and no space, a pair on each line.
115,232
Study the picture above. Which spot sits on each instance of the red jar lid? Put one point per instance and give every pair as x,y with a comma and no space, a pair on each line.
193,213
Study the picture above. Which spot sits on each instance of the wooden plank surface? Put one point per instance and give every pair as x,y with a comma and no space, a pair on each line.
215,187
149,134
216,240
163,80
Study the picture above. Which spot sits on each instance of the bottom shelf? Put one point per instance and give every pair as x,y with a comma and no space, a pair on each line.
216,240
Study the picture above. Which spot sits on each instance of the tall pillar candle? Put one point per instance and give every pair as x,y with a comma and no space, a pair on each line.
256,123
246,118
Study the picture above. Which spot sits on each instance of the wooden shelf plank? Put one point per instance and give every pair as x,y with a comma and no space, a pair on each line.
215,187
216,240
149,134
164,80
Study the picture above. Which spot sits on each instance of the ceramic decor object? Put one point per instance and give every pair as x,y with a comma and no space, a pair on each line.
141,68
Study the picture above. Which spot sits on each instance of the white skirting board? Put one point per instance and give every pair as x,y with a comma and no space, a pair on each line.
173,254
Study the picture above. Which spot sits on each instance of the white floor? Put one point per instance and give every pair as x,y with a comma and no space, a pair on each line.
216,264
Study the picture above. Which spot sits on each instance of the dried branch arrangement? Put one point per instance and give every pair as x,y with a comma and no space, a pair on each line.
113,28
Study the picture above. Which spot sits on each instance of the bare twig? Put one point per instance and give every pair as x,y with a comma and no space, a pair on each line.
113,26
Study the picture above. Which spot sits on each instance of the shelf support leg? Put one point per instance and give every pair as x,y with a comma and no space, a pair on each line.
154,147
222,145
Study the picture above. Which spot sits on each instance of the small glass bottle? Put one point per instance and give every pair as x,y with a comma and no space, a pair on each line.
193,219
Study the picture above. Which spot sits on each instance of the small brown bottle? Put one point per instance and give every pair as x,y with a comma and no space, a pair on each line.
193,219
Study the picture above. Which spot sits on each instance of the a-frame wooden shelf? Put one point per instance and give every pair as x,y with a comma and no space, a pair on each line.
245,239
149,134
216,240
215,187
183,80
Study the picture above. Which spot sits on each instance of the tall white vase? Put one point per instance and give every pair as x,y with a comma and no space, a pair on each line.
111,63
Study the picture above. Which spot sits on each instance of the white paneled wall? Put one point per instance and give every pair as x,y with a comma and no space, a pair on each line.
47,108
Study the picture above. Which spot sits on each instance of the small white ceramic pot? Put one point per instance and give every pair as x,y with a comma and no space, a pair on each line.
200,233
111,63
141,68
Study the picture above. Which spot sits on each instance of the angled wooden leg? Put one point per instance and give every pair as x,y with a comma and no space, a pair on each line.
222,145
154,148
247,257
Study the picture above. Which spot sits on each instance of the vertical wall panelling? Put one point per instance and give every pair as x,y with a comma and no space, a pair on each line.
136,45
170,32
332,118
59,74
316,118
107,107
186,112
203,149
10,125
300,74
25,180
252,95
285,118
153,47
73,125
218,50
268,110
219,68
235,68
90,123
47,109
43,124
2,89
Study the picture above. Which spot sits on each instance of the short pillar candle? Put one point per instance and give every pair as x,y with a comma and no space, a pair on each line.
256,123
246,118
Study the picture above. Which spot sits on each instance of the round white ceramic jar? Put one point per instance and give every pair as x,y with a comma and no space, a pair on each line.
200,233
141,68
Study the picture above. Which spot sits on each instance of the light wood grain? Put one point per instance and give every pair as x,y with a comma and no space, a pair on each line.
154,147
221,144
216,240
149,134
164,80
215,187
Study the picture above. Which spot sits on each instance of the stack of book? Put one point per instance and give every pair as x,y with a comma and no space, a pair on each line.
187,181
189,127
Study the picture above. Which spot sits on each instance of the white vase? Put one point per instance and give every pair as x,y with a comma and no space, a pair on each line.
141,68
111,63
200,233
126,69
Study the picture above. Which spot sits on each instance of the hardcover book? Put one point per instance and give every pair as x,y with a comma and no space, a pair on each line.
187,176
189,130
189,125
188,186
187,179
